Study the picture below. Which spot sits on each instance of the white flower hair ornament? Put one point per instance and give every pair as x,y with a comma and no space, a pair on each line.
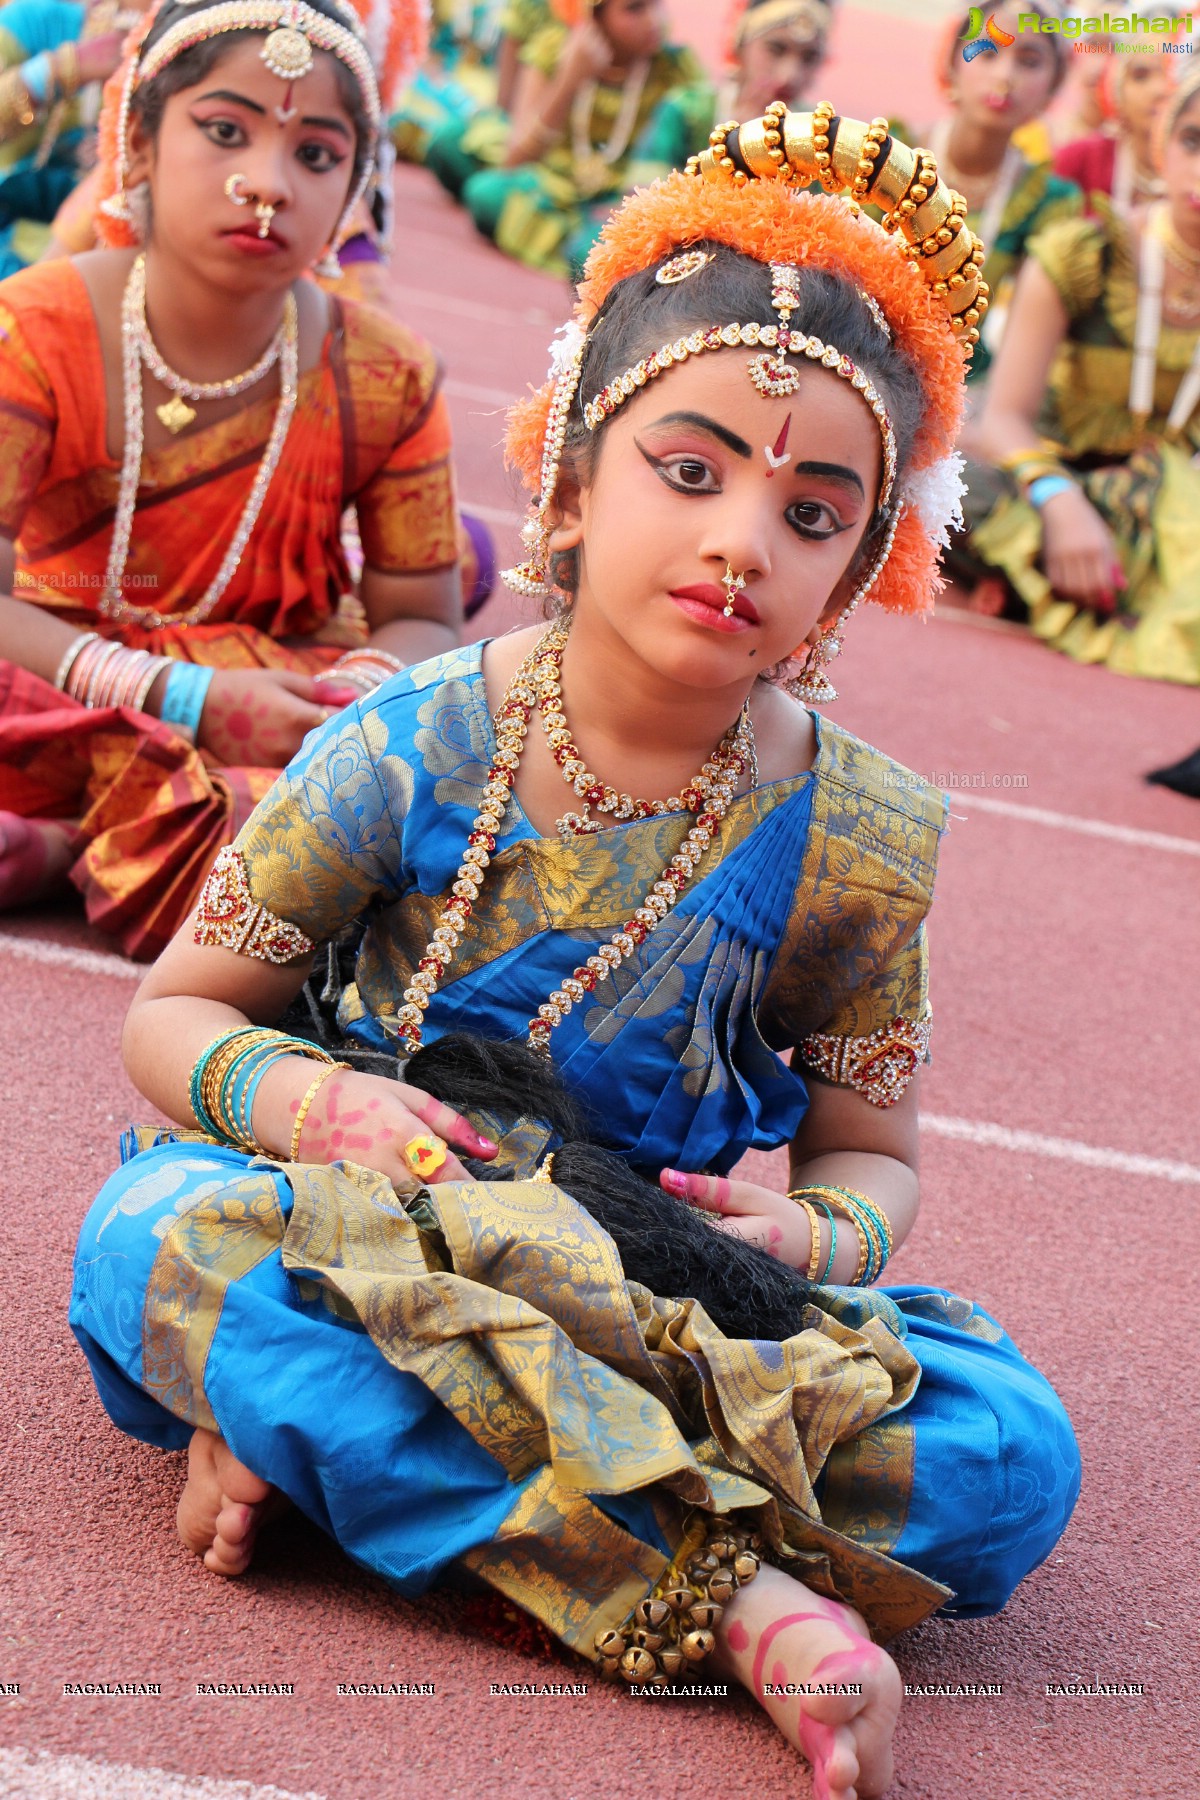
935,494
565,346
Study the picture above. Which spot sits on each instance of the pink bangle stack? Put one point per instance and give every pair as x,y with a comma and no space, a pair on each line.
98,673
365,669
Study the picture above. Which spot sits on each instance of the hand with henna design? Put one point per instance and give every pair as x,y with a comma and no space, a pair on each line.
758,1214
365,1119
258,718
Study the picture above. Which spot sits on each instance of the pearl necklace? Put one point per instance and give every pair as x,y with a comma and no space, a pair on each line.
540,671
597,793
594,161
174,414
1147,330
999,192
113,604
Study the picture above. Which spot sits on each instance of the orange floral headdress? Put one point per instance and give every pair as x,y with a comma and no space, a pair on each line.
573,12
741,195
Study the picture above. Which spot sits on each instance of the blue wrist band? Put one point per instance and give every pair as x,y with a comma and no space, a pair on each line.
184,696
38,75
1045,488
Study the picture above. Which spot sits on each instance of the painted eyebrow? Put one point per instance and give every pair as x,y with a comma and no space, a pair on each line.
833,472
730,439
254,107
238,100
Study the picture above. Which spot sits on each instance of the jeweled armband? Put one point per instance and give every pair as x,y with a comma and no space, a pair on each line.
878,1066
230,918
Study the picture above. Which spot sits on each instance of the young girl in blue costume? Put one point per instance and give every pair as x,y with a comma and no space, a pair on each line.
620,839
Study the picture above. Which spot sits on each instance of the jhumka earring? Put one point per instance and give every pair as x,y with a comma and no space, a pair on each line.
812,685
328,265
733,585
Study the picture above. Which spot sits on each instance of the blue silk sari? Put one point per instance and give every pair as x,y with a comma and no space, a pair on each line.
465,1375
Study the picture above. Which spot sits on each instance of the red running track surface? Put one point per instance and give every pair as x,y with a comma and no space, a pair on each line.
1066,988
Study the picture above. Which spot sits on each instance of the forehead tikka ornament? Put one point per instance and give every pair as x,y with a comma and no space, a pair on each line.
294,30
773,376
868,166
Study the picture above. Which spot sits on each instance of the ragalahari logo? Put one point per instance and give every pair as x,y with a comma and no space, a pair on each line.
993,36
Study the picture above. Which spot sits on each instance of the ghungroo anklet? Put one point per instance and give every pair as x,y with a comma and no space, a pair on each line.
673,1630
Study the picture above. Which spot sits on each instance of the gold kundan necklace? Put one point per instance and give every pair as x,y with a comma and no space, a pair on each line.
536,684
594,792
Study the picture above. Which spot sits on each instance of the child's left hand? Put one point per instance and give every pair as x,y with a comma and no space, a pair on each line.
757,1214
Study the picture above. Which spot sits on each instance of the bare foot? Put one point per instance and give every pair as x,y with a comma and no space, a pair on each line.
223,1505
778,1635
35,855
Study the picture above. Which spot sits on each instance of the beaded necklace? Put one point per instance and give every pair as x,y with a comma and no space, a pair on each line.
1148,329
537,674
174,414
597,793
593,163
113,604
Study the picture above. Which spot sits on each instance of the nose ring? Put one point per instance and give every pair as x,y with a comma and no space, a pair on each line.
733,585
264,212
233,190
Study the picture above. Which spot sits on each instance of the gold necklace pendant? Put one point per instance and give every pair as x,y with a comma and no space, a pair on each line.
175,414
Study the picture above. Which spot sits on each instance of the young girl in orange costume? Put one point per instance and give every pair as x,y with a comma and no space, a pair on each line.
138,523
620,840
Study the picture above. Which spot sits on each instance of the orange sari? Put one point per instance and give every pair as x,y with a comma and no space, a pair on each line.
370,431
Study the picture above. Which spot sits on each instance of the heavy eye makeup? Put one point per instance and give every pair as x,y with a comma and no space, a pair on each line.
228,133
692,472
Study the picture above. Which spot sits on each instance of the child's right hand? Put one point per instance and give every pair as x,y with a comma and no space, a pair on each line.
368,1119
1080,552
258,718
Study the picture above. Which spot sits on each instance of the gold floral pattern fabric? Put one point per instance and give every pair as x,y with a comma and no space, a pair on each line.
514,1311
806,918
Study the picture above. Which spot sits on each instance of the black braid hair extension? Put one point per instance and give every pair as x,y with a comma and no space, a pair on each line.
669,1247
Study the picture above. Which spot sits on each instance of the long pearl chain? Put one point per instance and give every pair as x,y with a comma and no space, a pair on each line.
538,675
113,604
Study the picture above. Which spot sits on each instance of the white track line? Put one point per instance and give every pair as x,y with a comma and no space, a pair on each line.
1032,1143
970,1131
36,1775
1117,834
88,962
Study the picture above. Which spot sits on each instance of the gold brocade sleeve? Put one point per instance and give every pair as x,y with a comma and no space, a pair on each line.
28,416
849,986
396,430
1071,251
324,841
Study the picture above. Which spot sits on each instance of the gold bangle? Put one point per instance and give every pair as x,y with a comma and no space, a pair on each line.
302,1109
814,1226
65,64
844,1200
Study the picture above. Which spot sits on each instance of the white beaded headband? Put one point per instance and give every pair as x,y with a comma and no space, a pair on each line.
294,31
